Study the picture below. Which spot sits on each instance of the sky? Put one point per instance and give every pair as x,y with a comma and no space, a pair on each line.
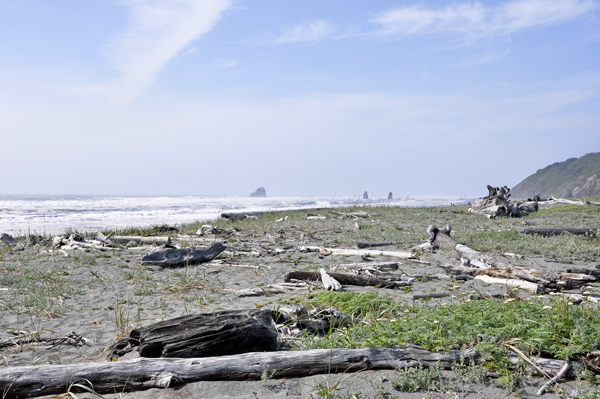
302,97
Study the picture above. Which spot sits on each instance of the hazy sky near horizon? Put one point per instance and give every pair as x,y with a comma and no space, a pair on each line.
311,97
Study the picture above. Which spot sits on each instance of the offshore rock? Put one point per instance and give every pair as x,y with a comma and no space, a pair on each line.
260,192
365,195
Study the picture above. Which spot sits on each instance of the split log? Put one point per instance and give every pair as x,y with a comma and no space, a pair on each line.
143,373
172,257
346,279
548,232
227,332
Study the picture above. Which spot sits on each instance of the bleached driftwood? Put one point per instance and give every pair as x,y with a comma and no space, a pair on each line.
522,284
370,265
359,252
143,373
358,214
330,283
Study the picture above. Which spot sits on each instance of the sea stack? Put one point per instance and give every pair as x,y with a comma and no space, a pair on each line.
365,195
260,192
390,196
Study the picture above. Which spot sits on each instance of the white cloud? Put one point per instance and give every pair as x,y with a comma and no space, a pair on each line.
306,32
473,21
159,30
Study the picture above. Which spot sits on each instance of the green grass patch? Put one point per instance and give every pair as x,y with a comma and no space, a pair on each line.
551,328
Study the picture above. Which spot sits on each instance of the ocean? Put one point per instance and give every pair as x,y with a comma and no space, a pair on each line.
47,215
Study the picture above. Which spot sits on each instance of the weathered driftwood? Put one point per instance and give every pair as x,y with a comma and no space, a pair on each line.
358,214
172,257
143,373
548,232
497,203
359,252
227,332
140,240
330,283
346,279
370,265
493,271
382,244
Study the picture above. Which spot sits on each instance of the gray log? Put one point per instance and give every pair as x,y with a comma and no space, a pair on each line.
143,373
346,279
172,257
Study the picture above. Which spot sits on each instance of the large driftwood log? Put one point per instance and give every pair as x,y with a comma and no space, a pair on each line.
346,279
143,373
548,232
228,332
172,257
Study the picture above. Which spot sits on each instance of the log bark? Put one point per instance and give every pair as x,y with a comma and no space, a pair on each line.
202,335
548,232
346,279
172,257
142,374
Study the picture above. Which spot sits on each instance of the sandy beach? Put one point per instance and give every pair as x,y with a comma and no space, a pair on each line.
99,295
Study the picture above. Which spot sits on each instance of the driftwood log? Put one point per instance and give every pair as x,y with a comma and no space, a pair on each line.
548,232
143,373
346,279
228,332
497,203
173,257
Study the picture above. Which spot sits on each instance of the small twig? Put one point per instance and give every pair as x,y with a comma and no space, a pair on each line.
563,370
518,352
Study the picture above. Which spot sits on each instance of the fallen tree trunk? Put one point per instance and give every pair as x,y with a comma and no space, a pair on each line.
548,232
142,374
172,257
346,279
140,240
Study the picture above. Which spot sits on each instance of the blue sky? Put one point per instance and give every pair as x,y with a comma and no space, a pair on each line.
311,97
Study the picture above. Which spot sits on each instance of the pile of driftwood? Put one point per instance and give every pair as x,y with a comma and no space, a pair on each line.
489,270
497,203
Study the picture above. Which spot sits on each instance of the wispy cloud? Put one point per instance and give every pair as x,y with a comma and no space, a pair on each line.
473,60
306,32
474,21
159,30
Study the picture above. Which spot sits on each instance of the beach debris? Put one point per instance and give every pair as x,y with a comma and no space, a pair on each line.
281,219
497,203
311,216
330,283
556,231
143,374
26,338
489,270
173,257
259,192
347,279
138,240
353,215
7,239
227,332
357,252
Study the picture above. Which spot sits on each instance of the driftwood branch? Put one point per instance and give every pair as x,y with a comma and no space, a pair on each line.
346,279
548,232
